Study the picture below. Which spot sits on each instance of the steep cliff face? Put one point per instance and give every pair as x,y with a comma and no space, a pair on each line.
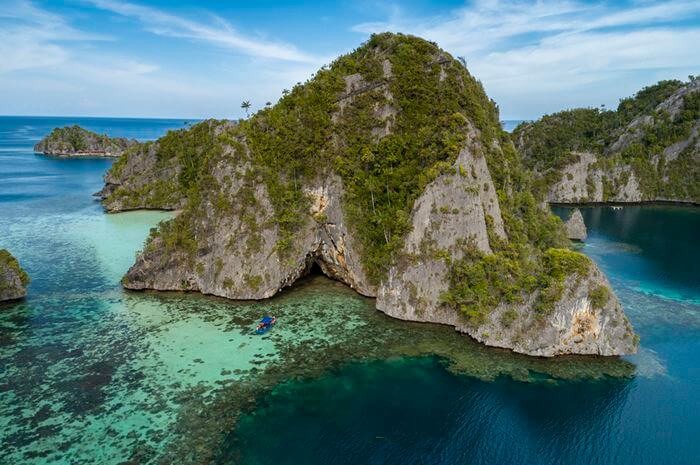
646,150
159,175
74,141
587,319
13,279
389,171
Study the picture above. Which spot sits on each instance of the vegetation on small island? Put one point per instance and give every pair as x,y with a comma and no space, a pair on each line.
75,140
423,103
9,268
551,143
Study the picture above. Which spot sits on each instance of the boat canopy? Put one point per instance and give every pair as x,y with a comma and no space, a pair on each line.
266,319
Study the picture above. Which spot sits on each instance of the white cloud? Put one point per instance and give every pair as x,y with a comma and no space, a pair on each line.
221,33
30,36
527,51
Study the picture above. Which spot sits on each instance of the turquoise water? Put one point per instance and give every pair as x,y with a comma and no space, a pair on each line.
91,374
415,411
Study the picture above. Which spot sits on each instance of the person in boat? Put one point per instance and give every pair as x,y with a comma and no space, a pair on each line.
266,322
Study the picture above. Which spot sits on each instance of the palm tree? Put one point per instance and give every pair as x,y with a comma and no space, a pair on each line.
245,105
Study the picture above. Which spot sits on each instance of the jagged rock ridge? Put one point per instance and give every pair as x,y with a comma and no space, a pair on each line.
74,141
390,171
13,279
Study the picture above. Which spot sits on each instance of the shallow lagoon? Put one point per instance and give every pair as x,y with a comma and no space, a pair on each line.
93,374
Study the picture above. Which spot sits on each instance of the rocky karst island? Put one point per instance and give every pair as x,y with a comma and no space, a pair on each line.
389,171
648,149
13,279
75,141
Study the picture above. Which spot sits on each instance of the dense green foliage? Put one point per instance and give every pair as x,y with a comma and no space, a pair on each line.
186,150
479,282
401,126
548,144
74,139
300,138
192,148
599,296
8,262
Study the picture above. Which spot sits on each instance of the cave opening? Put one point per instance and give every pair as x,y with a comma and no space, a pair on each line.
315,270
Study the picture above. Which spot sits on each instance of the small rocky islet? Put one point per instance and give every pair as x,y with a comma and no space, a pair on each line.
13,279
418,199
75,141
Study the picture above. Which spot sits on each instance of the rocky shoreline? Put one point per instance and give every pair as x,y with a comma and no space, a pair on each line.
431,252
75,142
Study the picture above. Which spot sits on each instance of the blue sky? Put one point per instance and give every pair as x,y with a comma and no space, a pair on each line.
192,59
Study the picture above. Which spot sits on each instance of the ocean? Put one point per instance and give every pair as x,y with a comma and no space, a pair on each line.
93,374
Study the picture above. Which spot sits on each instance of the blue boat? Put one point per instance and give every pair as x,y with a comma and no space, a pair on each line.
265,324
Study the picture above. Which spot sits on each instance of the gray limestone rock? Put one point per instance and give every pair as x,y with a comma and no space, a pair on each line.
74,141
233,246
13,279
575,227
579,323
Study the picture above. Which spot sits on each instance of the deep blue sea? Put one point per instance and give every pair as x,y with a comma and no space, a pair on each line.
92,374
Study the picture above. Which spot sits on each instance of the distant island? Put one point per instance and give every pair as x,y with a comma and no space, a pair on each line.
13,279
648,149
389,170
74,141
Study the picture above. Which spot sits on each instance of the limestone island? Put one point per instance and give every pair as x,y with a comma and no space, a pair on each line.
74,141
647,150
390,171
13,279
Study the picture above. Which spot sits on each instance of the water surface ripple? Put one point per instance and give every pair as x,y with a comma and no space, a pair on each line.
92,374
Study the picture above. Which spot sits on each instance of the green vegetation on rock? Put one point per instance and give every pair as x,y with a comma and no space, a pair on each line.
76,141
13,279
306,135
7,261
389,119
630,139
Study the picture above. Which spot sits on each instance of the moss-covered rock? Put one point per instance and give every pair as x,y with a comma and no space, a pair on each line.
648,149
388,169
74,141
13,279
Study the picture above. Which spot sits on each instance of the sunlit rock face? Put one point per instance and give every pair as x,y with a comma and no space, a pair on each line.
365,198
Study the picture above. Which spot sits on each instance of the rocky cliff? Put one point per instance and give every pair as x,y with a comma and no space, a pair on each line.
648,149
13,279
74,141
388,170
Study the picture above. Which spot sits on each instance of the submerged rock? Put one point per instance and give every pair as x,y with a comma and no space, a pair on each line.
13,279
416,198
74,141
575,227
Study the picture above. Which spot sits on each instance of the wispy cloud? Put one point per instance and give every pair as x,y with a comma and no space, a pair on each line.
536,48
30,37
219,32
